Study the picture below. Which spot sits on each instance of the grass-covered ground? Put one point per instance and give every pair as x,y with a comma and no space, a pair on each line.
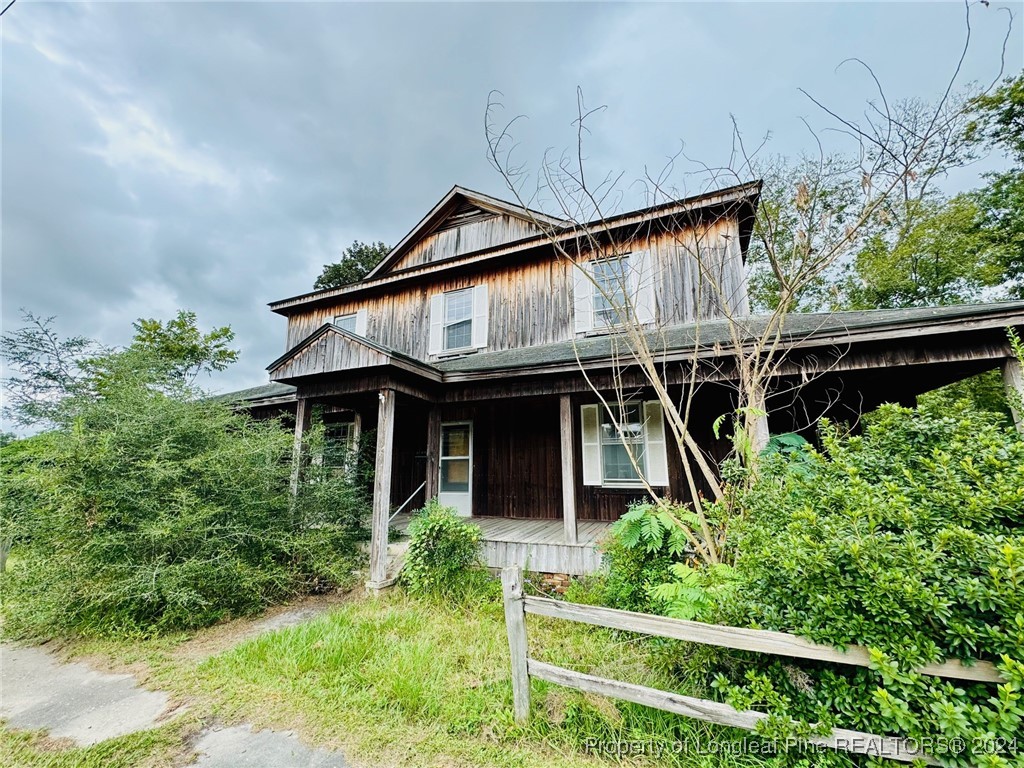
392,681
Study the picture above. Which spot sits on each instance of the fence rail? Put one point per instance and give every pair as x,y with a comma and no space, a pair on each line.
757,640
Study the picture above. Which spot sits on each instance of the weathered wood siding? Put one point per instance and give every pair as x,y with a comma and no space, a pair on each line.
330,352
479,232
530,302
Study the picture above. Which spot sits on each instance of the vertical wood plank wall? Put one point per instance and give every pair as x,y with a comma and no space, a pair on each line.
531,301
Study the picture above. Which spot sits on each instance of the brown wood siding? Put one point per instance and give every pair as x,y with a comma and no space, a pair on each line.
517,458
477,234
530,303
330,352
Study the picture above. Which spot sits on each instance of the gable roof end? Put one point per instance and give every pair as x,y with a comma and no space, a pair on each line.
449,205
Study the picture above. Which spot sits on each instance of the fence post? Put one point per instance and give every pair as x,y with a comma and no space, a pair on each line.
515,624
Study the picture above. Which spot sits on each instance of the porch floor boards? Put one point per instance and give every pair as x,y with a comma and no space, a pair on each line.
526,530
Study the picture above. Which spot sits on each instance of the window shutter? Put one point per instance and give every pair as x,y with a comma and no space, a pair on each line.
641,275
590,423
480,316
436,324
657,453
583,298
360,323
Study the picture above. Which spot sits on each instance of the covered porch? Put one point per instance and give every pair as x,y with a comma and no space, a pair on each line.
501,436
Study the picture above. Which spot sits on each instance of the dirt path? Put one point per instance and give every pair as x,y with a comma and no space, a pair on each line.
75,701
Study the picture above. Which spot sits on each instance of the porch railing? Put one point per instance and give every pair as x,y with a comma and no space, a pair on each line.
406,503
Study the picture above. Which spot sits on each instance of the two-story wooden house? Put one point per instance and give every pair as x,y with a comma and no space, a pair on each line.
477,351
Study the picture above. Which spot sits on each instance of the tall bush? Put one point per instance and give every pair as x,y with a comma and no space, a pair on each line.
444,551
908,539
151,507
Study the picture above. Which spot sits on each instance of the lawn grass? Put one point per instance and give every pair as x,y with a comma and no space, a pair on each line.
155,748
424,682
402,681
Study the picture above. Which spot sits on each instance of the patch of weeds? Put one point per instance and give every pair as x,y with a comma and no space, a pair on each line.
154,748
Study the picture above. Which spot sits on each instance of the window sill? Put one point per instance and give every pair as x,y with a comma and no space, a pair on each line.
609,330
452,353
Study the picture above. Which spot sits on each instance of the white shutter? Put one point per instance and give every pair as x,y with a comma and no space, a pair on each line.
590,423
360,323
435,346
656,453
480,316
583,297
641,277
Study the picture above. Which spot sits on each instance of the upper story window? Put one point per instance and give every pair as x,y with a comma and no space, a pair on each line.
346,322
613,291
610,289
353,322
458,320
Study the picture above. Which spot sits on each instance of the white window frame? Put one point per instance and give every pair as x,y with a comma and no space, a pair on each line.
631,444
439,323
638,288
654,462
625,285
358,322
441,458
446,323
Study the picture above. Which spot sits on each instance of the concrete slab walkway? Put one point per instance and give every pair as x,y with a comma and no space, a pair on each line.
38,691
74,701
239,747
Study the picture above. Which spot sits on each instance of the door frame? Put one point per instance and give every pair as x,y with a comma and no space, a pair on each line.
440,465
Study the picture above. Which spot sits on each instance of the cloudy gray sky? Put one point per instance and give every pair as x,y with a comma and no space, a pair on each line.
213,156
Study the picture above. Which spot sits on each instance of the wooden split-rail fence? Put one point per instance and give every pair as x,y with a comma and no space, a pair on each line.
760,641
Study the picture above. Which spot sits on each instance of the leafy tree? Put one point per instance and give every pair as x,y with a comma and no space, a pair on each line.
52,374
356,262
180,347
45,369
999,123
946,256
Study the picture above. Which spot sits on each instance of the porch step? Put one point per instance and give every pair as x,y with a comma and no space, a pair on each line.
396,559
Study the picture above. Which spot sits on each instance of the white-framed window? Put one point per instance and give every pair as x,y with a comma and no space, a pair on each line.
353,322
458,320
346,322
623,444
623,451
608,292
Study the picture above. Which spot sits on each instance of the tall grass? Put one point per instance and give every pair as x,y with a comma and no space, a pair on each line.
420,681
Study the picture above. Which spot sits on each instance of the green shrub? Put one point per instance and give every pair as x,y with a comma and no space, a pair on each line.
908,539
640,551
153,512
443,551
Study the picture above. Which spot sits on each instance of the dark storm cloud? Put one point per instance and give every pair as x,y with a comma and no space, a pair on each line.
213,156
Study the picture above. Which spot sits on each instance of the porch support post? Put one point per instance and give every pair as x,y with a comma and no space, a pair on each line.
303,415
382,491
568,473
433,452
1013,380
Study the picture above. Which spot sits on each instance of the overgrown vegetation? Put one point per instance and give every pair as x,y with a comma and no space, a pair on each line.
150,507
443,555
907,539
